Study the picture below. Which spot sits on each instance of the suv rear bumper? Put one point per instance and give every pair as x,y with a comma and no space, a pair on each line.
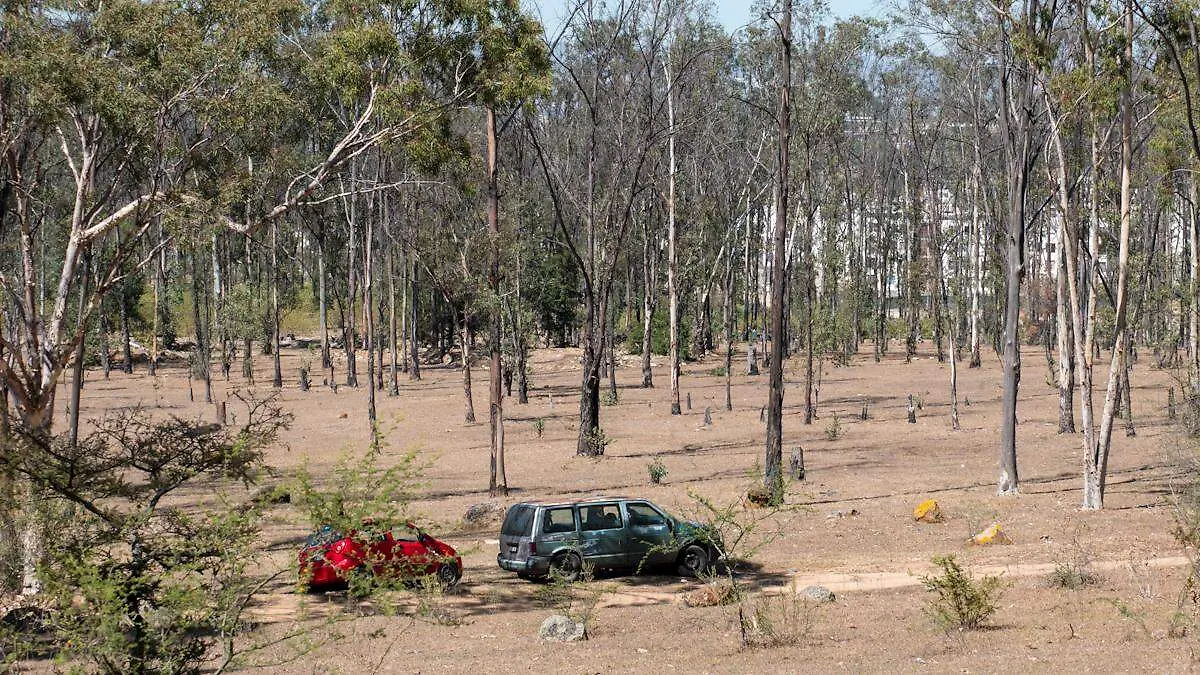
531,565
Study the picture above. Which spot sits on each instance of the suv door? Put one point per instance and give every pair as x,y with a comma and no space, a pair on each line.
650,535
602,537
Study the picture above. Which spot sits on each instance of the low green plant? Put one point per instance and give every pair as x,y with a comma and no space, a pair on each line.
577,599
657,470
539,426
1073,568
781,620
610,398
960,601
833,430
597,442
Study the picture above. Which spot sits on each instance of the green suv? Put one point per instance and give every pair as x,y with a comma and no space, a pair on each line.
540,538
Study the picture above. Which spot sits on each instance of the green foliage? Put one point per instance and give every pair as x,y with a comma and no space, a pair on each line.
960,601
134,586
539,426
833,430
657,470
781,620
553,293
660,336
361,495
596,442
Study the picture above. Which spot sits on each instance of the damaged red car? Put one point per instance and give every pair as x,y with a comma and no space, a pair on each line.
329,557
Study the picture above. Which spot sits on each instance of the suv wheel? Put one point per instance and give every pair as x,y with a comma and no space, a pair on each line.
693,561
566,567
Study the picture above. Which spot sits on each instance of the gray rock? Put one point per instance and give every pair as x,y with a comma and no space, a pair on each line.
819,594
558,628
483,512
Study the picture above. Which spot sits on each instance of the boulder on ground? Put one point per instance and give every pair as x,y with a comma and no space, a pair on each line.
482,513
991,535
819,594
928,511
558,628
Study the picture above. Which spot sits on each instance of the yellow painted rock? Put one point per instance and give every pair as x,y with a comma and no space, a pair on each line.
928,512
992,535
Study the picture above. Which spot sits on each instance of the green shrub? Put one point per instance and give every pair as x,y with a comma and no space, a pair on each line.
959,600
833,430
657,470
539,426
660,336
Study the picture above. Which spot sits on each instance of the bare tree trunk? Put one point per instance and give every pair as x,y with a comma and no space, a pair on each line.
773,462
727,322
649,304
414,370
277,380
672,245
468,399
1014,99
368,308
393,331
77,365
497,480
1066,350
326,357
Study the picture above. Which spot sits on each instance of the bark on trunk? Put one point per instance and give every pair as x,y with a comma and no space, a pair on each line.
773,462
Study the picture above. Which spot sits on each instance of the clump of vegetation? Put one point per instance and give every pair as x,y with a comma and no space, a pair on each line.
717,592
610,398
596,442
960,601
1073,570
131,585
577,598
657,470
539,426
783,620
833,430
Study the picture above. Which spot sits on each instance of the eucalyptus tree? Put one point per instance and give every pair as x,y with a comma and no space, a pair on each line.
604,103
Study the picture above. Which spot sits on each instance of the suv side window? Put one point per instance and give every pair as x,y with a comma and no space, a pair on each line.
600,517
558,520
642,515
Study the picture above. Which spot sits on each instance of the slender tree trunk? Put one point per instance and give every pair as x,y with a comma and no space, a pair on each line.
672,245
773,463
77,362
1066,350
393,330
468,399
497,480
369,325
323,300
277,380
649,304
414,370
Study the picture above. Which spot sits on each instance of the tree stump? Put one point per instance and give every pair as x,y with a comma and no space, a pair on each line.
689,401
221,413
707,416
796,463
752,360
863,415
304,383
912,411
1171,403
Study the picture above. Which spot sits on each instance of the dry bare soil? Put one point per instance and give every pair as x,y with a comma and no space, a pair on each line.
852,529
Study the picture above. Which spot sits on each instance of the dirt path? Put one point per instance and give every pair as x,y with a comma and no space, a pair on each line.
850,582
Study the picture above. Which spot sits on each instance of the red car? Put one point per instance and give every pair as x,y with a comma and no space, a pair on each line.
329,556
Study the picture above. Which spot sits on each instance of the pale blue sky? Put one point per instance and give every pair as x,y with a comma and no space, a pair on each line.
731,13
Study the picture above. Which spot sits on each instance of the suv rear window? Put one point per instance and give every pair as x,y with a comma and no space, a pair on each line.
558,520
518,522
600,517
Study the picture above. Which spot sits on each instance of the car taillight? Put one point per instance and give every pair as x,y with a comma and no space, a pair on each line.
532,548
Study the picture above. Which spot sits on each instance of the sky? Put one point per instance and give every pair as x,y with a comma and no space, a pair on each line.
731,13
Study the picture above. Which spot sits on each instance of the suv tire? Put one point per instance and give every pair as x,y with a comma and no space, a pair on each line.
694,560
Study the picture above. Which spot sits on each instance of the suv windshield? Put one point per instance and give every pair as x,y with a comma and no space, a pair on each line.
518,522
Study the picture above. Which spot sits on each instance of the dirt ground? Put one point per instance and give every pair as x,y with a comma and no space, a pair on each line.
852,529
